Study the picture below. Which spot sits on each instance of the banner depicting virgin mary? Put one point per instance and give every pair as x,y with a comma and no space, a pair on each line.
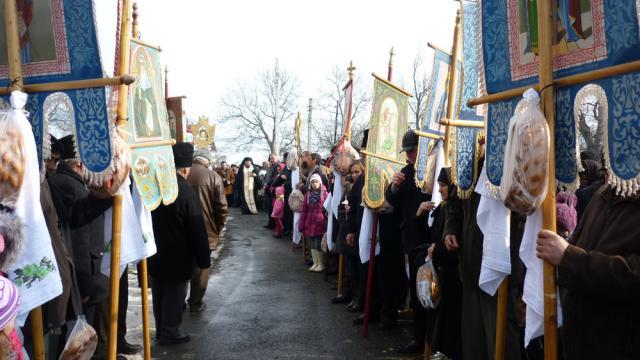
152,166
387,125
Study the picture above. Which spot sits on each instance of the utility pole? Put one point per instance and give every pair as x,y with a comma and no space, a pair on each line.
276,105
309,125
335,132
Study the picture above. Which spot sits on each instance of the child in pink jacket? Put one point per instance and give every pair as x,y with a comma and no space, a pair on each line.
313,221
278,211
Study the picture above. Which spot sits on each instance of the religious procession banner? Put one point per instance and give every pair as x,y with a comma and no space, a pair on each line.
591,34
205,134
58,43
152,163
436,111
465,141
387,125
174,112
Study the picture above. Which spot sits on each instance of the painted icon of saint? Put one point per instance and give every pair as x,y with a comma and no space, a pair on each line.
145,105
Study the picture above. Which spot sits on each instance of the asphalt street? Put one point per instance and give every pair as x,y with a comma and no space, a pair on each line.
262,303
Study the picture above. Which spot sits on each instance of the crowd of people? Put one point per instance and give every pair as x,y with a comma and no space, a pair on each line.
596,257
595,250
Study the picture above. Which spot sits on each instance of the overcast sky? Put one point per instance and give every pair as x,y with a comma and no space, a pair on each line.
211,45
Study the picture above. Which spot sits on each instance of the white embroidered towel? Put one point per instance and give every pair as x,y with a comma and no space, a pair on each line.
132,243
494,221
329,209
533,282
297,236
436,198
35,273
365,236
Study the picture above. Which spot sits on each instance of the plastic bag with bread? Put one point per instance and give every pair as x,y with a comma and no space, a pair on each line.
526,158
82,342
427,285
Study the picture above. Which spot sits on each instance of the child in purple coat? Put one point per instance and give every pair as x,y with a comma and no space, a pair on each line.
313,221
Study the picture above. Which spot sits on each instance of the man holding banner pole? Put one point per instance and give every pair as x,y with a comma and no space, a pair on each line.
406,199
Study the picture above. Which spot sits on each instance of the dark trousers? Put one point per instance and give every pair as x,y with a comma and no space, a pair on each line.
478,323
393,281
354,276
419,313
375,304
168,303
198,286
270,221
287,221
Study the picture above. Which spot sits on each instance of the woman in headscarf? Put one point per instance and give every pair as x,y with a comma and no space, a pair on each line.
247,184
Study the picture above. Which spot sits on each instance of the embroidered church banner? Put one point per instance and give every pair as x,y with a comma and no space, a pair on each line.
609,30
436,111
464,141
387,125
153,167
58,43
590,34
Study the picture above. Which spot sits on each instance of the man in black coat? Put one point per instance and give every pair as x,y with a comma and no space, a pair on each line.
80,214
406,197
181,239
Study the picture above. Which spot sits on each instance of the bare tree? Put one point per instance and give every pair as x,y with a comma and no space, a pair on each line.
421,90
331,119
590,126
261,111
60,119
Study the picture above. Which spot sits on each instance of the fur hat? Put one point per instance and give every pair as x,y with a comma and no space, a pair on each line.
11,239
68,149
183,154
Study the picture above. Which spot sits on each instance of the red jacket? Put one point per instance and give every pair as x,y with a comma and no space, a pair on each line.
313,220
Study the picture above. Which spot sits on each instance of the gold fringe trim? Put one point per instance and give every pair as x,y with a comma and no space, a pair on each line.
465,194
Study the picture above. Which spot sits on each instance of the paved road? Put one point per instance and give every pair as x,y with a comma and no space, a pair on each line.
263,304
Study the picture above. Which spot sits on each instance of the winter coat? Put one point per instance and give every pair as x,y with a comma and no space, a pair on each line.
56,309
353,220
228,178
313,219
180,237
406,200
461,222
278,203
82,221
600,276
210,190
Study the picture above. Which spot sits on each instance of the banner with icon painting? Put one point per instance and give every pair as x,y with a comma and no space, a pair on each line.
148,131
387,125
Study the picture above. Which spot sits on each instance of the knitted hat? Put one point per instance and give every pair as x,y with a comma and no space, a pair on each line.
566,214
9,302
315,177
203,153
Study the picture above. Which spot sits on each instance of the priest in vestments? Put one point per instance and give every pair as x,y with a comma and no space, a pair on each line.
247,184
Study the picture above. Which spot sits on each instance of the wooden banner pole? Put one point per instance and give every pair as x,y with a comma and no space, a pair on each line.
15,78
545,31
340,273
501,320
372,260
114,279
453,74
144,278
121,120
585,77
